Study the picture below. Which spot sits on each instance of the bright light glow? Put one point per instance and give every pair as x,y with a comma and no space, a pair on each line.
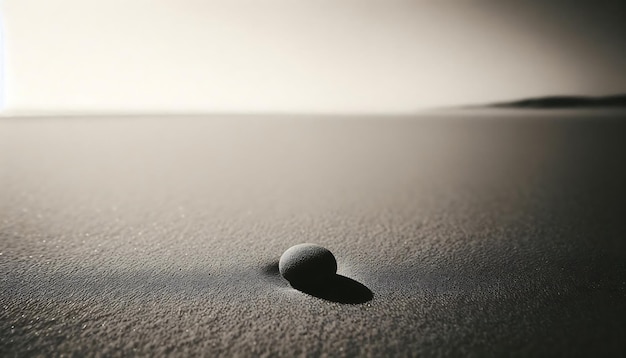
291,56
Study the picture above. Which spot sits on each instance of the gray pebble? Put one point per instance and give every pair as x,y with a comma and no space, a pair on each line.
307,264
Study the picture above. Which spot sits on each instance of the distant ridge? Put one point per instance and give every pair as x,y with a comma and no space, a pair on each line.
614,101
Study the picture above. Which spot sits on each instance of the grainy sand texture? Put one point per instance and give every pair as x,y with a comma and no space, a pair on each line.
478,233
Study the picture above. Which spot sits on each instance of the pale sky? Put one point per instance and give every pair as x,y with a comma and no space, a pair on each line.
304,55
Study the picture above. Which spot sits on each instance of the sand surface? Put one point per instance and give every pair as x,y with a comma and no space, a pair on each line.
478,234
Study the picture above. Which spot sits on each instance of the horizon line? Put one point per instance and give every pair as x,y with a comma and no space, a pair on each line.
21,113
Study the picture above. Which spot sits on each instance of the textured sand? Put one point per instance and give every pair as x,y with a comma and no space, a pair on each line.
477,233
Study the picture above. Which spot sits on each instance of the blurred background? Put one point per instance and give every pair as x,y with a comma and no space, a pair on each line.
365,56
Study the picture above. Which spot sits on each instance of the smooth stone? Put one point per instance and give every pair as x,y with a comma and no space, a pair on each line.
307,264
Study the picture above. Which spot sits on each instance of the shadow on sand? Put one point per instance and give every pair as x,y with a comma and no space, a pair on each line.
337,288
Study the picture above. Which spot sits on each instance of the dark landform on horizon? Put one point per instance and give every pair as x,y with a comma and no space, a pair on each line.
556,102
617,101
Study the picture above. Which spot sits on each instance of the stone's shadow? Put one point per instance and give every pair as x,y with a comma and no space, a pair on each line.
336,288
